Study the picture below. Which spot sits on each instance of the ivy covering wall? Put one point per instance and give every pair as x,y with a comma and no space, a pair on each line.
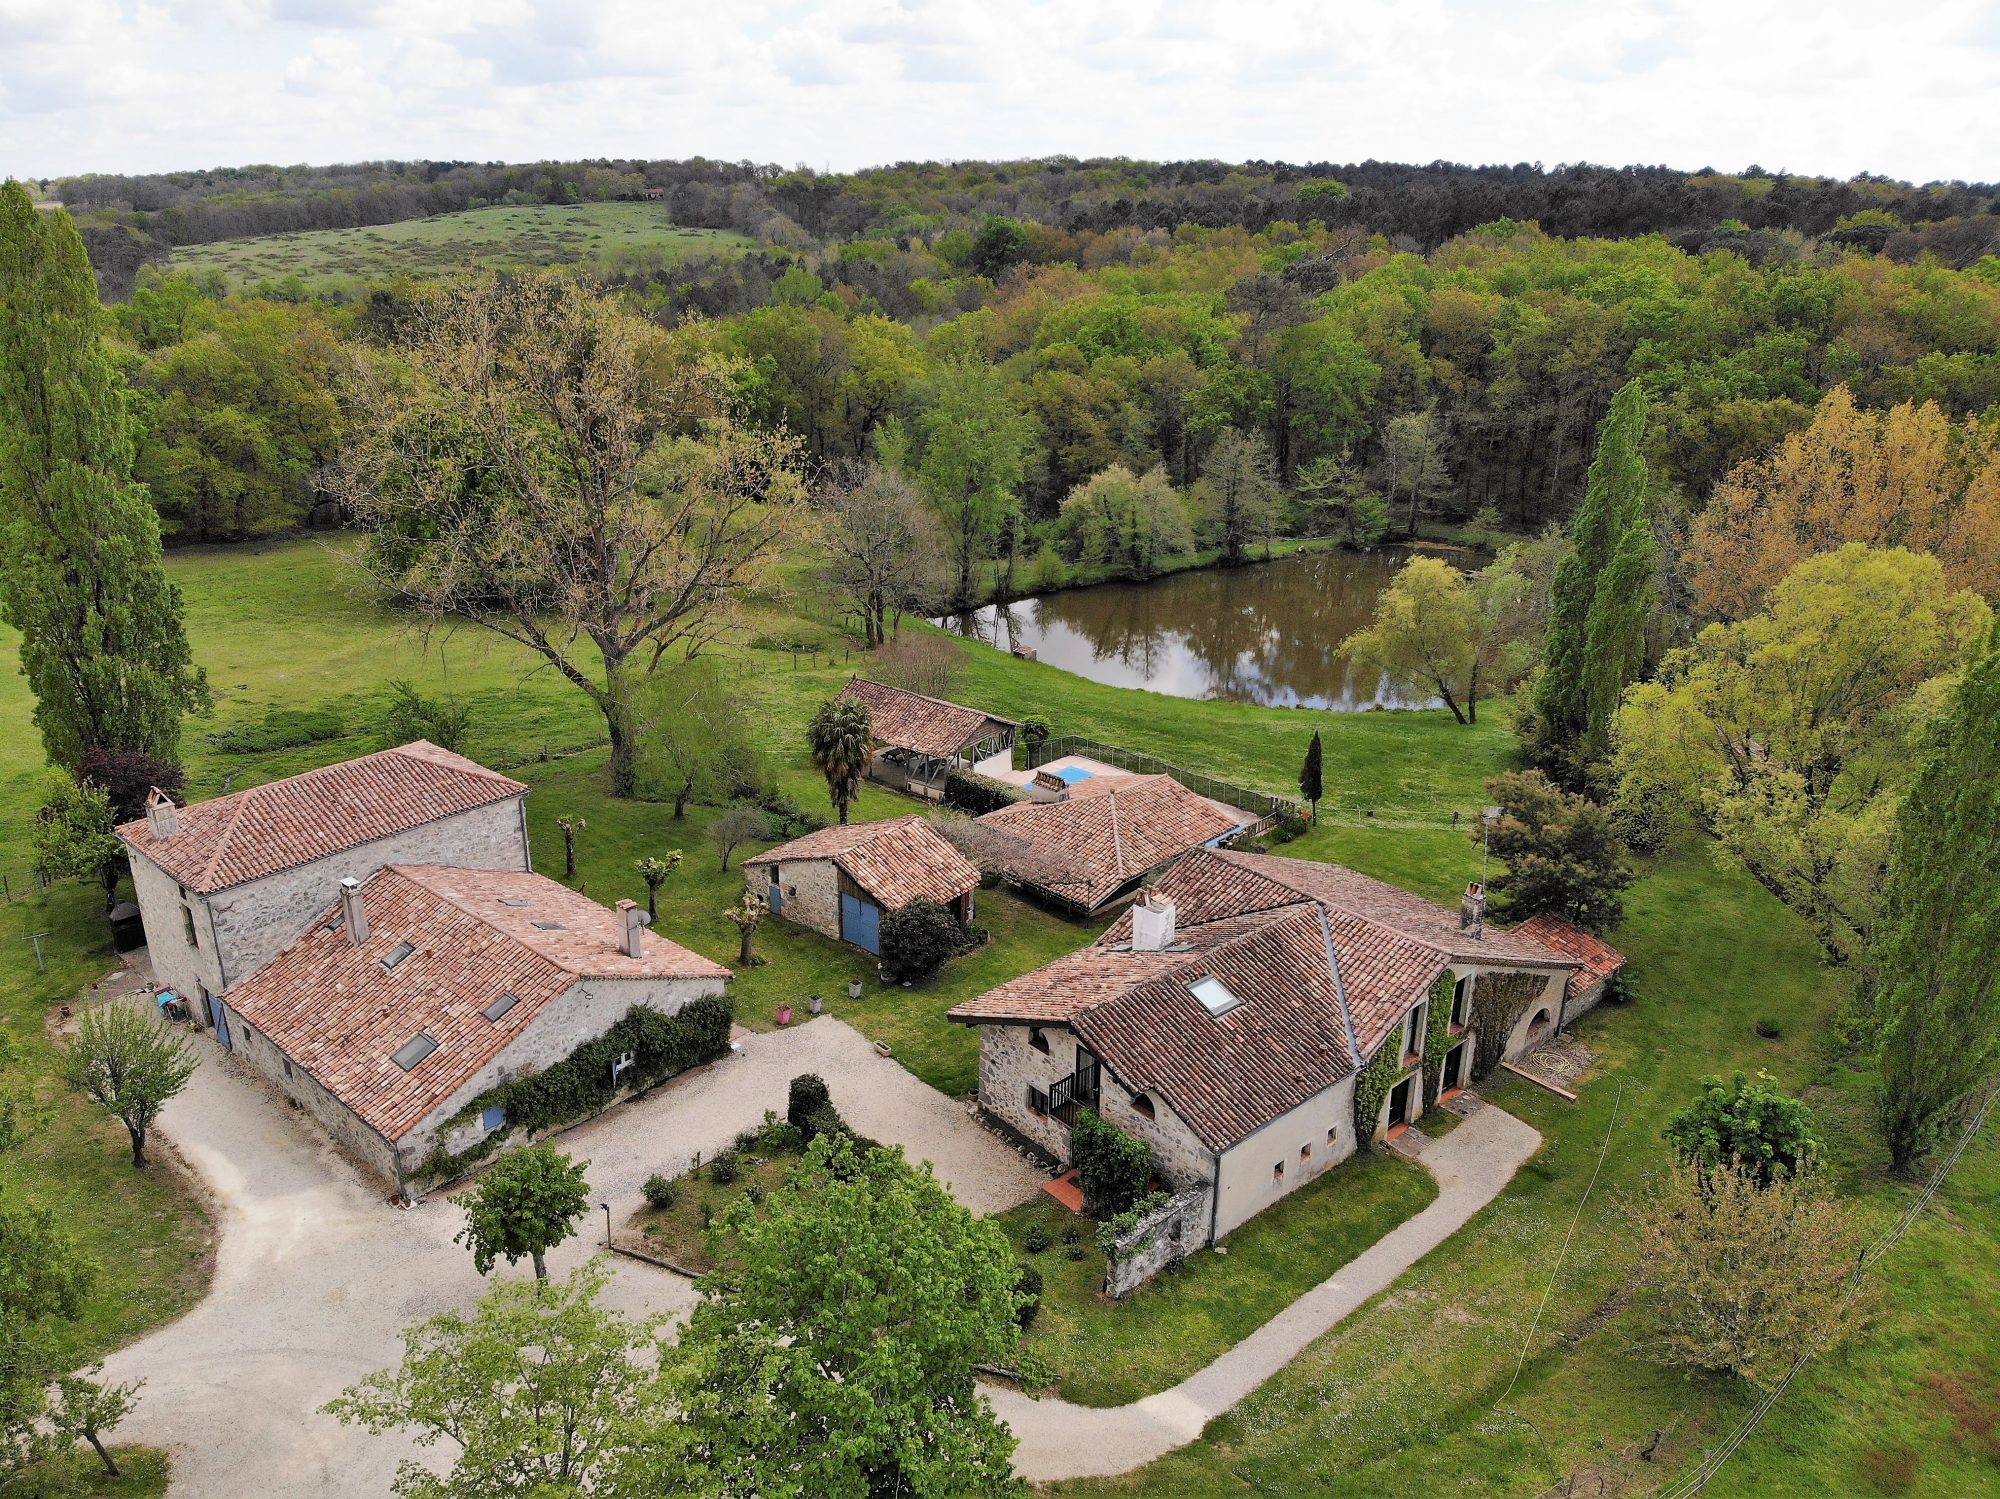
1437,1036
1371,1085
1499,1000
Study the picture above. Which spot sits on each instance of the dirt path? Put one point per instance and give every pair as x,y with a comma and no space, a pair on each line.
1060,1440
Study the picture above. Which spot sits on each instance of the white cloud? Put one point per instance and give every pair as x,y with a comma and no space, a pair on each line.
1841,87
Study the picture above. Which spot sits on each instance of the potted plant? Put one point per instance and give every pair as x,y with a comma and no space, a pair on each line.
854,987
814,1003
784,1014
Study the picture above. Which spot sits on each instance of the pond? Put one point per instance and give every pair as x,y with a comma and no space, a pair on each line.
1265,633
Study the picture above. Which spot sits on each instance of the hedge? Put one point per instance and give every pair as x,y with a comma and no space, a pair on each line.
1111,1166
971,792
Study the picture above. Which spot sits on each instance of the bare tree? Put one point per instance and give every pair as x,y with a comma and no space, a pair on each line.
561,472
885,549
735,827
930,664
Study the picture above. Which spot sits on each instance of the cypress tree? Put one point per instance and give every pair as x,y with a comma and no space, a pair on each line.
1940,986
1310,782
1613,493
101,639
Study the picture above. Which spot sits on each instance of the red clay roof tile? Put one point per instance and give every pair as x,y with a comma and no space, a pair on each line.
1111,830
922,725
898,860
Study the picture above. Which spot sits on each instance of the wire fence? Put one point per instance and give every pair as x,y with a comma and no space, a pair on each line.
1263,803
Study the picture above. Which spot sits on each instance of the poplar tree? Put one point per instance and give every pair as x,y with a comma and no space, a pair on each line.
1615,630
1614,494
1940,986
1311,779
102,643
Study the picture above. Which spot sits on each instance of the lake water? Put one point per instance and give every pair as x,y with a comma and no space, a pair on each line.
1263,633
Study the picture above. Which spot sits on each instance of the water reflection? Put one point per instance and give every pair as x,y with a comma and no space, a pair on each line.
1266,633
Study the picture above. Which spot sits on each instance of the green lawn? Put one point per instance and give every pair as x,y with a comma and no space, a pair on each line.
1107,1353
528,235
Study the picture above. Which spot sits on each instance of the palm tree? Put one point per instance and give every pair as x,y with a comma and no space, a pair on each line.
843,742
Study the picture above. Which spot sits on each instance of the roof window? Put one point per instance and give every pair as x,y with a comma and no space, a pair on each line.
501,1005
414,1051
396,955
508,900
548,926
1214,995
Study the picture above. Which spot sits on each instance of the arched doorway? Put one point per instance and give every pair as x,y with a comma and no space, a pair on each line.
1540,1026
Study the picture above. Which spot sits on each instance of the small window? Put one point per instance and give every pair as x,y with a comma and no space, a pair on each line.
1038,1041
501,1005
414,1051
1461,1000
1278,1172
1332,1134
492,1117
396,955
1142,1106
1214,996
506,900
288,1069
187,923
339,920
1038,1102
1305,1152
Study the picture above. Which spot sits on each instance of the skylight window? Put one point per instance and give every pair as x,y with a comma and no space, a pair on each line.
501,1005
414,1051
510,901
549,926
396,955
1214,996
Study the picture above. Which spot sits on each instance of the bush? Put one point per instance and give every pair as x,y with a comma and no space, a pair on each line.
755,1192
1111,1166
806,1096
918,940
1768,1028
971,792
724,1168
1072,1235
1753,1124
1288,827
1028,1286
1075,1252
1036,1239
281,728
660,1192
824,1120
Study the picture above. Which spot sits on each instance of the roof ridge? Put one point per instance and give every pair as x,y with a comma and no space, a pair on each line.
1347,910
243,799
1117,843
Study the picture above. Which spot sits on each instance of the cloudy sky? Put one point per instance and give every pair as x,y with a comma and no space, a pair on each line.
1909,89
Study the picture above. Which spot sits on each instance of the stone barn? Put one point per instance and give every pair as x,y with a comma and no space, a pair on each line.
840,880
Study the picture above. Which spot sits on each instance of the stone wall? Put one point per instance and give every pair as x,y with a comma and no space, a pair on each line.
1297,1147
811,891
1162,1238
177,965
365,1146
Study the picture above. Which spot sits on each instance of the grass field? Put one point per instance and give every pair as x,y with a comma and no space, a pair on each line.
531,235
1405,1398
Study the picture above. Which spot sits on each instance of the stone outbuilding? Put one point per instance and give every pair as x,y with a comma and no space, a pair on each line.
224,884
840,880
1089,840
1230,1017
1599,963
920,740
419,988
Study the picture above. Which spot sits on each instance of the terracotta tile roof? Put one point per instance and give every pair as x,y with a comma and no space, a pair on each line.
284,824
897,861
923,725
1111,830
333,1008
1325,962
1599,958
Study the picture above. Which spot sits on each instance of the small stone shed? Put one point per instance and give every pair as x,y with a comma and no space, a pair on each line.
414,991
920,740
840,880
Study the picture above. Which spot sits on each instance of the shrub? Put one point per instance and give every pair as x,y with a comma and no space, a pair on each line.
1075,1252
1072,1235
281,728
724,1168
660,1192
824,1120
1288,827
1036,1239
918,940
755,1192
1111,1166
806,1096
1768,1028
971,792
1752,1123
1028,1286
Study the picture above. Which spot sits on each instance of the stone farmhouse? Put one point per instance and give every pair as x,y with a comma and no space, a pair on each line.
920,740
224,884
840,880
418,988
1090,839
1232,1018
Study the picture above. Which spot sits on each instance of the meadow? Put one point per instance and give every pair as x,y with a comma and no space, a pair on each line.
488,238
1436,1386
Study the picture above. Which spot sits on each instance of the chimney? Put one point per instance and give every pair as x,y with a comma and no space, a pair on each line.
355,913
635,921
1047,786
1152,923
1472,911
163,818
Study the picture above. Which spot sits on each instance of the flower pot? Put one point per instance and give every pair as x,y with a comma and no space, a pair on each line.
814,1004
854,988
784,1014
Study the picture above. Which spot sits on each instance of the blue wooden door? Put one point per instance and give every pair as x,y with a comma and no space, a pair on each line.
775,899
861,923
221,1018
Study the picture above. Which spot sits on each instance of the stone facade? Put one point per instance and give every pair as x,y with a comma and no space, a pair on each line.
1163,1237
241,928
811,891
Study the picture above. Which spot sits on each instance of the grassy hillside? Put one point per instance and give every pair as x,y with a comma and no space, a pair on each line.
486,237
1403,1400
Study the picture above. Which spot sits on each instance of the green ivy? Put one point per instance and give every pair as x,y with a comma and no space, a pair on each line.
1112,1229
580,1085
1499,1000
1437,1036
1112,1167
1371,1085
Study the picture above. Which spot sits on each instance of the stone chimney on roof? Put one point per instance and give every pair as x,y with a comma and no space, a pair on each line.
1472,911
1152,923
1047,786
353,911
162,816
634,922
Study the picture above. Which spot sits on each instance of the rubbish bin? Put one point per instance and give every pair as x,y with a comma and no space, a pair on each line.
127,930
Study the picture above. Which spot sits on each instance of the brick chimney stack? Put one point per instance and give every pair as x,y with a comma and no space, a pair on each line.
1152,923
634,921
353,911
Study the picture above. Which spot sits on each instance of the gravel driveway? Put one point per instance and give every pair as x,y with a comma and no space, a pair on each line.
316,1274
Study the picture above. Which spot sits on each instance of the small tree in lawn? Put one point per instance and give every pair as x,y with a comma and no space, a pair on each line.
654,871
1748,1123
748,914
129,1064
1311,782
128,776
73,835
85,1410
1560,852
842,736
736,827
571,825
1035,732
526,1205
